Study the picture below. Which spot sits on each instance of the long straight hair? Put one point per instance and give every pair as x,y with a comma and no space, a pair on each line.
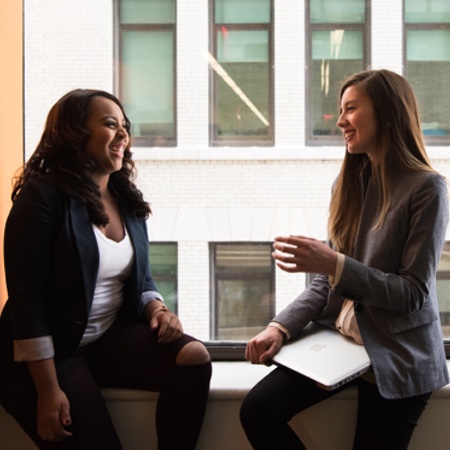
400,147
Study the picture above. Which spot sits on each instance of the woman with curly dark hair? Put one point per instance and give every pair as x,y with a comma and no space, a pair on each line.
83,311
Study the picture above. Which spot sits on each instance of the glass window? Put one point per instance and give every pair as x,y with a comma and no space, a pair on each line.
443,289
147,69
220,289
427,11
164,267
243,291
427,28
241,68
338,47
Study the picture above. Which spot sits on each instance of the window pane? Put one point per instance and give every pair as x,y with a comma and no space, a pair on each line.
243,299
428,67
332,11
164,267
147,11
243,96
242,46
241,112
337,44
242,11
428,45
336,55
338,38
427,11
443,289
147,80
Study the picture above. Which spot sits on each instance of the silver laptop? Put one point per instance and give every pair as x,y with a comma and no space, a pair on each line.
324,355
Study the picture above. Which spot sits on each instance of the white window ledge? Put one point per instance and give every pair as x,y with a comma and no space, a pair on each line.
327,426
232,381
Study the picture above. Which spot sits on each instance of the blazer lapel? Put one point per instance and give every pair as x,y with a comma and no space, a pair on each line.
140,246
86,246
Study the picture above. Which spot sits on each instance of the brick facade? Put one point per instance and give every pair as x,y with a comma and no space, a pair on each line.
198,193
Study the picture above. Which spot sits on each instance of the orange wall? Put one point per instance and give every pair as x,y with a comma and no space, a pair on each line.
11,113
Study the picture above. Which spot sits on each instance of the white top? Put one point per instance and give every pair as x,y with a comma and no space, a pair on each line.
116,261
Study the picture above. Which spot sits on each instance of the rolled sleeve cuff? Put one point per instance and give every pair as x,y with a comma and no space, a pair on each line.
34,349
281,328
334,280
147,297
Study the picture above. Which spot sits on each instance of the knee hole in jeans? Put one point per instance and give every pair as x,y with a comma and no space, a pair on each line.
193,353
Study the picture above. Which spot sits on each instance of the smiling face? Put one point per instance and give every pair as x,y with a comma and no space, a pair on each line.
358,122
108,137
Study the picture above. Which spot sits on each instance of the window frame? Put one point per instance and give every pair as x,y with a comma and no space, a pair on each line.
145,141
158,277
423,26
241,141
214,279
365,28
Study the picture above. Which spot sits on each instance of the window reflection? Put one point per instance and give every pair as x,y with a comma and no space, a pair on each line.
147,69
243,294
427,24
338,36
242,88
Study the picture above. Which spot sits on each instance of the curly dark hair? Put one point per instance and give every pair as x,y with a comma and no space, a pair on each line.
60,158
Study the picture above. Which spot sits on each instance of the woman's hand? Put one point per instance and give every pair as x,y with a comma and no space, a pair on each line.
161,319
262,348
302,254
53,414
168,325
53,408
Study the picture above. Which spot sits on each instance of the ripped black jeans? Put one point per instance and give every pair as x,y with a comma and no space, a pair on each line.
127,356
271,404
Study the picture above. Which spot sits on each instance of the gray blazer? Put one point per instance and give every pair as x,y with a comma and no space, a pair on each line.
391,277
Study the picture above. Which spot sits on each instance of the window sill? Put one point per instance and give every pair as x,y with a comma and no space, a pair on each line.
133,414
233,379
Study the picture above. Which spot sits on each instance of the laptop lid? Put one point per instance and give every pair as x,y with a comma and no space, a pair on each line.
324,355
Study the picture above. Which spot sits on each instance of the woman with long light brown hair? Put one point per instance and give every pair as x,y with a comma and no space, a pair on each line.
377,277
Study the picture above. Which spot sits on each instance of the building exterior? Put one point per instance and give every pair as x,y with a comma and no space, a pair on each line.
219,197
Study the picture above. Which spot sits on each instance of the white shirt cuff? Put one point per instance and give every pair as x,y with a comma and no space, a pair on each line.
281,328
34,349
334,280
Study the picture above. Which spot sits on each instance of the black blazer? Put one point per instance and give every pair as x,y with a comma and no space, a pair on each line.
51,264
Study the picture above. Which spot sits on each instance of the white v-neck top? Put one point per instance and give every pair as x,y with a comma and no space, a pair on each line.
115,264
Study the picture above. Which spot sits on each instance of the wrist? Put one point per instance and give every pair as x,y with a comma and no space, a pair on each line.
275,326
160,309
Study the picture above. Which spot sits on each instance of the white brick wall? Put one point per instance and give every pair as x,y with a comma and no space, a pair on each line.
289,55
68,45
192,73
387,35
193,287
201,194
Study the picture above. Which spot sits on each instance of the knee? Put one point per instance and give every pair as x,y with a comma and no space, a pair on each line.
247,409
249,415
255,412
193,353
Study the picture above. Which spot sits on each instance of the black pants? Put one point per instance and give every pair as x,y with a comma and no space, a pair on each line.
271,404
127,356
